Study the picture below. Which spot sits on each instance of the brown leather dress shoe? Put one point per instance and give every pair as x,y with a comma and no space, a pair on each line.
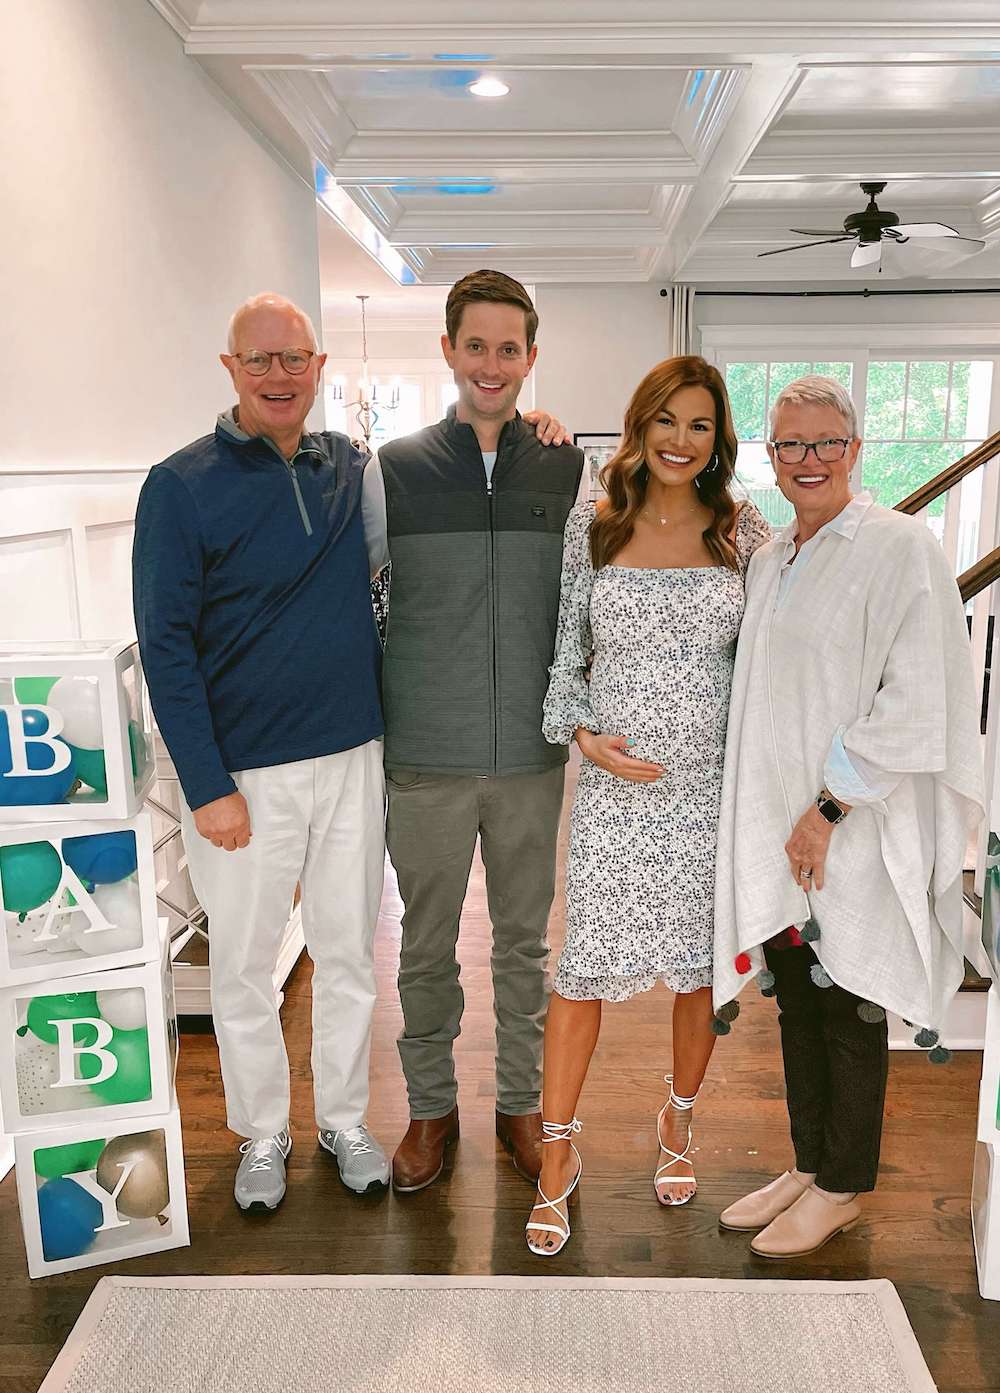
522,1138
419,1158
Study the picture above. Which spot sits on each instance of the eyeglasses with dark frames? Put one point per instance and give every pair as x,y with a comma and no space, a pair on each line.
257,361
795,451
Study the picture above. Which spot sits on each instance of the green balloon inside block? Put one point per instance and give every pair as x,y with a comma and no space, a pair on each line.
91,769
33,691
132,1081
43,1011
30,873
138,749
53,1161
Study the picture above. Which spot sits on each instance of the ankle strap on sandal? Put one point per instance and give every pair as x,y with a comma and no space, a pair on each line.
560,1131
676,1100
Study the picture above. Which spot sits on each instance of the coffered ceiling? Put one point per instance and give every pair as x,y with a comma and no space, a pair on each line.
640,140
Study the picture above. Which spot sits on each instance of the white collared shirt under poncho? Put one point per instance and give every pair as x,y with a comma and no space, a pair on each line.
866,642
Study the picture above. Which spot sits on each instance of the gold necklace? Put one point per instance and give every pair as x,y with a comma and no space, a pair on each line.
664,521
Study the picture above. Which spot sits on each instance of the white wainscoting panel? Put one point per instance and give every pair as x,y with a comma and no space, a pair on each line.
38,582
65,554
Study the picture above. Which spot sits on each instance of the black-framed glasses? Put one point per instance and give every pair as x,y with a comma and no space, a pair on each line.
257,361
795,451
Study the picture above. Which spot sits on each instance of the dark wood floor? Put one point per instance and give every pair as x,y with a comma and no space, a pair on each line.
918,1234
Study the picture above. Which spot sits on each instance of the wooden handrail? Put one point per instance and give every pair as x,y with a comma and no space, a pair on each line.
948,478
985,571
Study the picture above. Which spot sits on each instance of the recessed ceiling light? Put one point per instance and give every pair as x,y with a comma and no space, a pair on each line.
488,87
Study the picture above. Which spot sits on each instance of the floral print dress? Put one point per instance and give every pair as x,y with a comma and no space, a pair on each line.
640,878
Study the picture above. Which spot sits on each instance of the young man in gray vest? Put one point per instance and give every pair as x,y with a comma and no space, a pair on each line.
475,510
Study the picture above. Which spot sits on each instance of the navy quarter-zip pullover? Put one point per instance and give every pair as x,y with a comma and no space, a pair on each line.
251,587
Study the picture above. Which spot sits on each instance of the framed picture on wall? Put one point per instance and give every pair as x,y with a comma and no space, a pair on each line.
597,450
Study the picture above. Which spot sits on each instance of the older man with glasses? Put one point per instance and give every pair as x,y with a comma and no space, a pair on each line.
253,611
852,784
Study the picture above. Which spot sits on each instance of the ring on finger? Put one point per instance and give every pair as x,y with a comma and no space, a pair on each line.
805,872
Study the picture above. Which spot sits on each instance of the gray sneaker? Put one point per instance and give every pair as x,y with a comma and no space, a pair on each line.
360,1159
260,1180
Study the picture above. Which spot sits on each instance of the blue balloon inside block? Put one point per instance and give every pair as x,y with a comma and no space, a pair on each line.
101,859
69,1217
32,789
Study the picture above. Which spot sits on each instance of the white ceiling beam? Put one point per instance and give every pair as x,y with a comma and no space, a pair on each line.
532,235
532,157
826,152
760,103
988,216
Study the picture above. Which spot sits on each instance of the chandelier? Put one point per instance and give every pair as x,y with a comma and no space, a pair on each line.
371,402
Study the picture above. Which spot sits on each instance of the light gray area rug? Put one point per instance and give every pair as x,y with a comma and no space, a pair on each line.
488,1335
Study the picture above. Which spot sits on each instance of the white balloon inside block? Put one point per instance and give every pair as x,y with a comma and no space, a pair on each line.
75,739
99,1192
76,897
104,1045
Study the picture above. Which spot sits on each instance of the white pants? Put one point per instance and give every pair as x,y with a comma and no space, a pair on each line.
321,822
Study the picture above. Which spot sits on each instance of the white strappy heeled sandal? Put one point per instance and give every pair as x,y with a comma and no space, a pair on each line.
556,1131
660,1177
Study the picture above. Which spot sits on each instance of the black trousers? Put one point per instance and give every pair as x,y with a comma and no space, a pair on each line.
836,1066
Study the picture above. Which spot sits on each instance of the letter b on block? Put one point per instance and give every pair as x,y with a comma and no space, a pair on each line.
70,1050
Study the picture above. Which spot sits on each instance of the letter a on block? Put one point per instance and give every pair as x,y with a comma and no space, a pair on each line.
70,1051
19,740
108,1203
84,904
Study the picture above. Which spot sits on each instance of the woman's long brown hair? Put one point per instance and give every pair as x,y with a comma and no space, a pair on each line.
625,476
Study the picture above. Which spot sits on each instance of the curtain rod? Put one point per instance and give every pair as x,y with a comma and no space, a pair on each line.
829,294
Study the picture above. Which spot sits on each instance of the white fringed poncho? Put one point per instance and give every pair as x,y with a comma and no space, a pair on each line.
870,641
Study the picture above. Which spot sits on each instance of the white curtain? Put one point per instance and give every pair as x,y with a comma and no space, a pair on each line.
681,319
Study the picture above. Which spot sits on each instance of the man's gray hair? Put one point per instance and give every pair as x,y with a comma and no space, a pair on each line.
820,391
278,302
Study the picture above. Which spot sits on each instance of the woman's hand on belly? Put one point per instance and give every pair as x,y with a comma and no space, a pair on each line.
610,752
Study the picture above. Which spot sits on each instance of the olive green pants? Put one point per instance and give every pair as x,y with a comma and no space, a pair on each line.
433,822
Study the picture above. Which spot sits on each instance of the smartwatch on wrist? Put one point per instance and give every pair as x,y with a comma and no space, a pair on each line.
829,808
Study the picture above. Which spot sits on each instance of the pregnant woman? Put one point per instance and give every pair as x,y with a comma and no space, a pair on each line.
652,585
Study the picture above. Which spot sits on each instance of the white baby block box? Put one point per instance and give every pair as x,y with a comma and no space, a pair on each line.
76,897
95,1048
96,1193
74,739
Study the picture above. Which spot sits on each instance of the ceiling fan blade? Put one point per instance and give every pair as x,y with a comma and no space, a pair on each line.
921,229
925,256
867,254
818,231
801,246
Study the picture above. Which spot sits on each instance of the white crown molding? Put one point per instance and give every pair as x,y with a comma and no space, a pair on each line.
875,153
309,106
181,15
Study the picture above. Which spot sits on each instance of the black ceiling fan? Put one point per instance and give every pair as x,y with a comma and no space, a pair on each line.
884,243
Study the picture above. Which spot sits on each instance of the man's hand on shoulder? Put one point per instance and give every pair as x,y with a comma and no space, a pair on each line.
547,428
225,822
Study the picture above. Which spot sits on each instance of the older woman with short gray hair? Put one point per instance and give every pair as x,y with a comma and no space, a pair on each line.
852,783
